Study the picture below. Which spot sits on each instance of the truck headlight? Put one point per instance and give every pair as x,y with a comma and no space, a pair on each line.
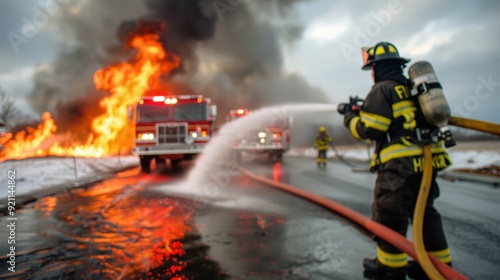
194,135
262,135
189,140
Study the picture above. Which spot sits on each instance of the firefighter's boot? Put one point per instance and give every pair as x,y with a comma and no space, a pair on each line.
415,271
375,270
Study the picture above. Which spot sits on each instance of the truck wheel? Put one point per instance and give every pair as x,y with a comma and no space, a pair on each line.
145,162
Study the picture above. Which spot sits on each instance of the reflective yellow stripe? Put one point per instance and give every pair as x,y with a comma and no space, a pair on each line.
405,142
443,255
374,161
322,147
407,110
392,260
398,109
410,123
400,150
375,121
352,127
322,143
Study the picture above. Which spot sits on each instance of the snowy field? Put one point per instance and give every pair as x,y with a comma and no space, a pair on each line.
39,173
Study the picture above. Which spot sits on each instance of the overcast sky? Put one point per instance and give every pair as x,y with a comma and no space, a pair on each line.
460,38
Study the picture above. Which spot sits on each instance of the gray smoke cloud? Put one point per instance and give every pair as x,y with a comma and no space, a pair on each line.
243,64
65,86
234,55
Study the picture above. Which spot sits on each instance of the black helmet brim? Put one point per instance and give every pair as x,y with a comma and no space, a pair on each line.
403,60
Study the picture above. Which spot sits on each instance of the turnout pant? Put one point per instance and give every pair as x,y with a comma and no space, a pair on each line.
321,156
395,196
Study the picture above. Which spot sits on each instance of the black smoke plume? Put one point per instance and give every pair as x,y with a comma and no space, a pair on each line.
233,55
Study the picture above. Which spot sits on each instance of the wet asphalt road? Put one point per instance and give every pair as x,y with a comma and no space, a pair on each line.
225,226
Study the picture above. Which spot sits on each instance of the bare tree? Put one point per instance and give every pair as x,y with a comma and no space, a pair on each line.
7,108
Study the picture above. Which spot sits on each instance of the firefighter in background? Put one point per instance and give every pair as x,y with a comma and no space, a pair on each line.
321,144
391,117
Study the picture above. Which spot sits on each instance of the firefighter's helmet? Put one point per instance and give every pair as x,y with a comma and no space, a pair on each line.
382,51
322,129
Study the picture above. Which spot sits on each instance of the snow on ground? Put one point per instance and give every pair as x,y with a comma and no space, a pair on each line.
39,173
472,155
474,159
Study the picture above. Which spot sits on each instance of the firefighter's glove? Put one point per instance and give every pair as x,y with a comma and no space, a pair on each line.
348,116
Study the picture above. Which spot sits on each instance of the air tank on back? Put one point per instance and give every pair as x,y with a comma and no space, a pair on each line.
430,94
431,97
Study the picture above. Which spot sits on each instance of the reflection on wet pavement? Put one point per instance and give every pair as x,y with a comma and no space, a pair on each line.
132,227
109,232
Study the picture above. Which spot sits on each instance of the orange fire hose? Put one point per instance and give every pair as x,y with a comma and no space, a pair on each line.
379,230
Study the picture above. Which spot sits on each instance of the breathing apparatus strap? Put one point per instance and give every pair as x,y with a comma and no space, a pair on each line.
425,87
420,136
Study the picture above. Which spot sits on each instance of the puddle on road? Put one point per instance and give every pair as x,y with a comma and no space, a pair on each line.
108,232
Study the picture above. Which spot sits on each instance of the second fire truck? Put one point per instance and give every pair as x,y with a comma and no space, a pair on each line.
273,140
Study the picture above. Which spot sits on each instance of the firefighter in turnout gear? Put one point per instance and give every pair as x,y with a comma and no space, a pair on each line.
321,144
392,117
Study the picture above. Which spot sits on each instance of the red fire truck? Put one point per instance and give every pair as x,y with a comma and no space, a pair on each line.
272,140
172,127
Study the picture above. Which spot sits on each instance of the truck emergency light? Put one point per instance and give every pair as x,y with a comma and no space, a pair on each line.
158,98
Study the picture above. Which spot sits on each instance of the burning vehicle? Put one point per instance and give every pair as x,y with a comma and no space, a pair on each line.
176,128
272,140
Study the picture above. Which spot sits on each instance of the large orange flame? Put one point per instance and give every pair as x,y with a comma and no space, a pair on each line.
29,141
111,131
